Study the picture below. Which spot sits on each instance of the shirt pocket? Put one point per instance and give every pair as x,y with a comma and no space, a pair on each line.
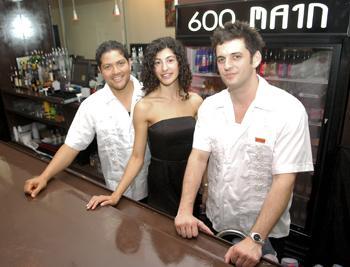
258,175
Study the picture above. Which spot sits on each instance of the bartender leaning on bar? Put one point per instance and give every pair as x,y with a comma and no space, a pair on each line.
108,115
256,139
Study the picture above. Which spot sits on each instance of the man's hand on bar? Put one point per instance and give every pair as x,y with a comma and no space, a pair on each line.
34,185
246,253
101,200
187,226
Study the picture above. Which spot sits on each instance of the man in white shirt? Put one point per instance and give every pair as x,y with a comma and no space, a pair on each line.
256,139
108,115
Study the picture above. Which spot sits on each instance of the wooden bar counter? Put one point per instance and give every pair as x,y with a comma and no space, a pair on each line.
55,229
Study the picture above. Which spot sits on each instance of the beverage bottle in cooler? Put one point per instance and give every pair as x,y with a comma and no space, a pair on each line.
317,70
272,65
203,67
282,64
210,60
303,64
292,66
263,64
289,58
215,70
198,59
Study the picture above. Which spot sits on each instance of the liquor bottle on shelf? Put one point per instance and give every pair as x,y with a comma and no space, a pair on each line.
12,75
41,70
50,71
140,60
19,77
64,83
46,109
52,112
23,72
15,77
54,60
28,77
33,81
61,63
68,62
135,63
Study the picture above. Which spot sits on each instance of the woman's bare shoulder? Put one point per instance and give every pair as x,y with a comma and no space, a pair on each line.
143,105
195,98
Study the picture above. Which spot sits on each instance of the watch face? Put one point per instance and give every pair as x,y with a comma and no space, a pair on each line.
257,237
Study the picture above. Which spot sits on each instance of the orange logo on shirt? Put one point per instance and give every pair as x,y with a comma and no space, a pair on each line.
260,140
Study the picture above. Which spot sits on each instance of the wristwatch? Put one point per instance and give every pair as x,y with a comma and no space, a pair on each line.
257,238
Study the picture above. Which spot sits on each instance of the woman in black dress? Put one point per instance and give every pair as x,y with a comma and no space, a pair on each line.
165,118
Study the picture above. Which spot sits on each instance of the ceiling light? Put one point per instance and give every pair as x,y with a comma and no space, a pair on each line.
116,11
75,15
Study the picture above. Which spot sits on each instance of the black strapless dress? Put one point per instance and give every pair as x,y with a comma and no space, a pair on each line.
170,143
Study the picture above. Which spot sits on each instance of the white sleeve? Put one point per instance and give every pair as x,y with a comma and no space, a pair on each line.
202,134
82,130
292,151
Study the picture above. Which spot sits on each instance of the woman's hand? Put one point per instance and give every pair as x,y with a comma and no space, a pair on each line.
101,200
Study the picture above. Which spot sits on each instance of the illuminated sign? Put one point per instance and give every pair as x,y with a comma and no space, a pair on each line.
269,16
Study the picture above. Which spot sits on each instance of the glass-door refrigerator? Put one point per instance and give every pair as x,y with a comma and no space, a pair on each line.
304,72
307,53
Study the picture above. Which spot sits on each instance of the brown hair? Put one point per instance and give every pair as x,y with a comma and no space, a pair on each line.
239,30
148,77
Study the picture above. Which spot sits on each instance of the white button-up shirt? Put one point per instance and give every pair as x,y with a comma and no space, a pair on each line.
273,138
104,115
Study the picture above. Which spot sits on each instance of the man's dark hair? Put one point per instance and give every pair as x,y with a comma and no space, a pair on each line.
239,30
148,77
109,46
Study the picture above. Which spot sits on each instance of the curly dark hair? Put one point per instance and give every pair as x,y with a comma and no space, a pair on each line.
148,77
239,30
109,46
